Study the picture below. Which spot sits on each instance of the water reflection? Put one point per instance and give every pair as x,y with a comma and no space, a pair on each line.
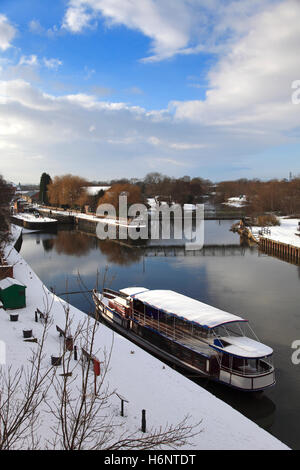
72,242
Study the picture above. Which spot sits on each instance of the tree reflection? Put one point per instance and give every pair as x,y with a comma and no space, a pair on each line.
79,244
73,243
48,244
119,254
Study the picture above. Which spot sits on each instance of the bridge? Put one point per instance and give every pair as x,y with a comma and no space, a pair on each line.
207,250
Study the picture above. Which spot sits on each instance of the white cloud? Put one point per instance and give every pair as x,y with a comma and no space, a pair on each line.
53,64
251,84
35,27
7,33
246,110
28,60
174,26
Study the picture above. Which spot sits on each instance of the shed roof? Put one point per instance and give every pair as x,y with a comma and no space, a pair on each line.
8,282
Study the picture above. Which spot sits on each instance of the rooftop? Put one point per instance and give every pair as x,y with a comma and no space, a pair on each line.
184,307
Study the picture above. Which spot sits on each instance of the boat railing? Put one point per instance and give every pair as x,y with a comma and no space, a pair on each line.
115,293
249,371
171,332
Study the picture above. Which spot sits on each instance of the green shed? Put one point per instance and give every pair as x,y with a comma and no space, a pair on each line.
12,293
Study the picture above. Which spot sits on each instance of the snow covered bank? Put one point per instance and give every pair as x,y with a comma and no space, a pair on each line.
286,232
142,379
240,201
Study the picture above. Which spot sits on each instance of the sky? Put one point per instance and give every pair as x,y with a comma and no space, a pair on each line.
107,89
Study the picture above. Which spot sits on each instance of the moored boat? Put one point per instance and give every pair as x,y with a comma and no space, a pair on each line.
34,222
199,338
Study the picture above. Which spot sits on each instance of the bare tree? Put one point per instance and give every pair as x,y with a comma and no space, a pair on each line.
22,391
74,403
83,412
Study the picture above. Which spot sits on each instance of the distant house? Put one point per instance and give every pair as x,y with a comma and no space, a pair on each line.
12,293
31,196
94,190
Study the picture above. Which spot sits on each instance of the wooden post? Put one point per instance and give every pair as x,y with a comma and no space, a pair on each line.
75,353
143,420
122,403
36,317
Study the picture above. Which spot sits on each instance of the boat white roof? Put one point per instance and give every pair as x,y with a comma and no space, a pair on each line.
183,307
9,281
243,346
133,290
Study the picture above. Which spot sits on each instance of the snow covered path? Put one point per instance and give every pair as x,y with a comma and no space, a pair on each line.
142,379
284,233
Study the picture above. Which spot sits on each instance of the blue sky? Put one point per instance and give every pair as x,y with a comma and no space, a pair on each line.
112,88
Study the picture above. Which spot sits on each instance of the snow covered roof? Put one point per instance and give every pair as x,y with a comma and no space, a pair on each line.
9,281
133,290
94,190
184,307
243,346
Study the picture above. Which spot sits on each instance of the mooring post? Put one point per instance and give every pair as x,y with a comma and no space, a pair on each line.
75,353
143,420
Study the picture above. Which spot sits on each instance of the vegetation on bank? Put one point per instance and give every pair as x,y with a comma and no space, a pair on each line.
280,197
267,220
6,194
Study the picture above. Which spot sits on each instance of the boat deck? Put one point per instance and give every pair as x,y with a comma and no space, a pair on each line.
178,335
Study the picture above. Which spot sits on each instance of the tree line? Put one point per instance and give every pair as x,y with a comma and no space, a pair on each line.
277,196
69,191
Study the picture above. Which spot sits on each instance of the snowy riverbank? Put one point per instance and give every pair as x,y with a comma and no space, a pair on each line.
286,232
142,379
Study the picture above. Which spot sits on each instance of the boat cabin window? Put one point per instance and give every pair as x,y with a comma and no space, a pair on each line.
138,306
238,328
246,366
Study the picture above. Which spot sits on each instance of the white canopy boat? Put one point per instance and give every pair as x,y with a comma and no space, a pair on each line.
197,337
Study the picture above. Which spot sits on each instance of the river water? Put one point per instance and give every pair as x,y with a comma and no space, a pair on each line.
225,274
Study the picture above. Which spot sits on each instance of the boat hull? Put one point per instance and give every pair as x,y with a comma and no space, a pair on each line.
35,225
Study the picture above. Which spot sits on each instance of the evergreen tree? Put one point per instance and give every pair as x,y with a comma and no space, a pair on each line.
44,182
6,195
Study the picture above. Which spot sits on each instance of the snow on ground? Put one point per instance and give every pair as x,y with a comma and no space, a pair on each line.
147,383
284,233
96,219
240,201
79,215
32,218
189,207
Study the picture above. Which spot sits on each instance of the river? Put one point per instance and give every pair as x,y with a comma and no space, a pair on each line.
235,278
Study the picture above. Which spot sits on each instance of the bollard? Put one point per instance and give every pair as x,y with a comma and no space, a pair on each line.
143,420
69,345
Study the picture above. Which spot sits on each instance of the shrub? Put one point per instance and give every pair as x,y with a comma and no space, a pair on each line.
267,220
